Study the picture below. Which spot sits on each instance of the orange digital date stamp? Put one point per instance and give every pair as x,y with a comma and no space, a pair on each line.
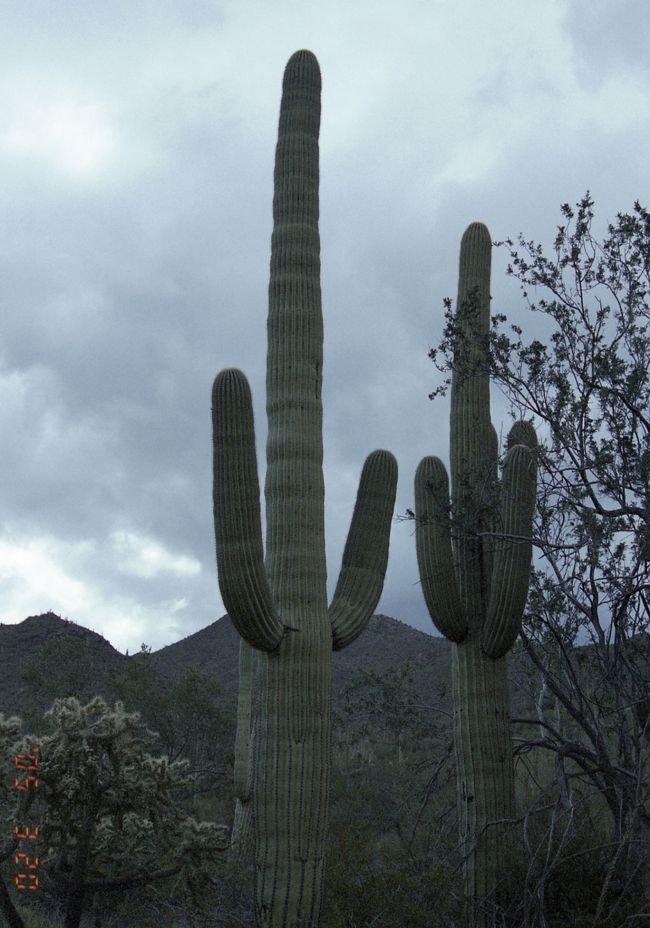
26,877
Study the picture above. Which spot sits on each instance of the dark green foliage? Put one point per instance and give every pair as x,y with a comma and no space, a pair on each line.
392,808
109,820
385,887
191,715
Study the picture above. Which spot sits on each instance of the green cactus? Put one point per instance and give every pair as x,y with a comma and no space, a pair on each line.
474,560
279,604
242,827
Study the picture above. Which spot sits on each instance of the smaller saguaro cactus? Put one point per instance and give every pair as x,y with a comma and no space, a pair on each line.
474,559
242,829
277,599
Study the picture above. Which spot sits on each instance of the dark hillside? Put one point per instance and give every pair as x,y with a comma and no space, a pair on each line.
31,651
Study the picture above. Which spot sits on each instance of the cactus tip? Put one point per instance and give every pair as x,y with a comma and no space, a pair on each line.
227,381
522,433
302,67
478,234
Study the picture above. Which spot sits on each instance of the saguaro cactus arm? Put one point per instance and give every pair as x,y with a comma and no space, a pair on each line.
363,567
237,521
434,553
513,544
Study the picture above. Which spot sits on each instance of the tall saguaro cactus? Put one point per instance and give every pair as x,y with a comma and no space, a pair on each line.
279,604
474,560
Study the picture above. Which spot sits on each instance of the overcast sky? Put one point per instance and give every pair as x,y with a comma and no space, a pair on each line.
136,153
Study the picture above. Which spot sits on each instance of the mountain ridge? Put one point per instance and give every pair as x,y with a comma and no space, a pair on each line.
385,645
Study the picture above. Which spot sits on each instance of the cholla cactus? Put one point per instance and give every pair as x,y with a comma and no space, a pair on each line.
279,605
474,563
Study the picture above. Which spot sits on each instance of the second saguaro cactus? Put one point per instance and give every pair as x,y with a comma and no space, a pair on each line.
474,560
278,603
242,826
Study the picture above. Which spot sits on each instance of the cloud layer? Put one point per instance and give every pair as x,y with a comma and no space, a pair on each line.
136,146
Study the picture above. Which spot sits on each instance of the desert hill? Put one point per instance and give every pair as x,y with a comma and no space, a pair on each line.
31,650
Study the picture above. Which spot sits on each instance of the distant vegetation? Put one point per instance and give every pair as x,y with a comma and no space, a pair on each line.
392,841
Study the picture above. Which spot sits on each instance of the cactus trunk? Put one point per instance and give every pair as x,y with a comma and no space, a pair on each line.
279,605
485,773
241,841
292,753
474,559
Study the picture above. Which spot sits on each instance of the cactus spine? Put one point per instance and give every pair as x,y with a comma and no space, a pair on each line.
279,605
474,564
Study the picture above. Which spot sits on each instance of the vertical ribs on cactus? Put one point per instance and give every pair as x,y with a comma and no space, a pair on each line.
241,834
474,552
277,599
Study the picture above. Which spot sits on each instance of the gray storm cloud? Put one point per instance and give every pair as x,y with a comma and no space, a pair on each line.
137,156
